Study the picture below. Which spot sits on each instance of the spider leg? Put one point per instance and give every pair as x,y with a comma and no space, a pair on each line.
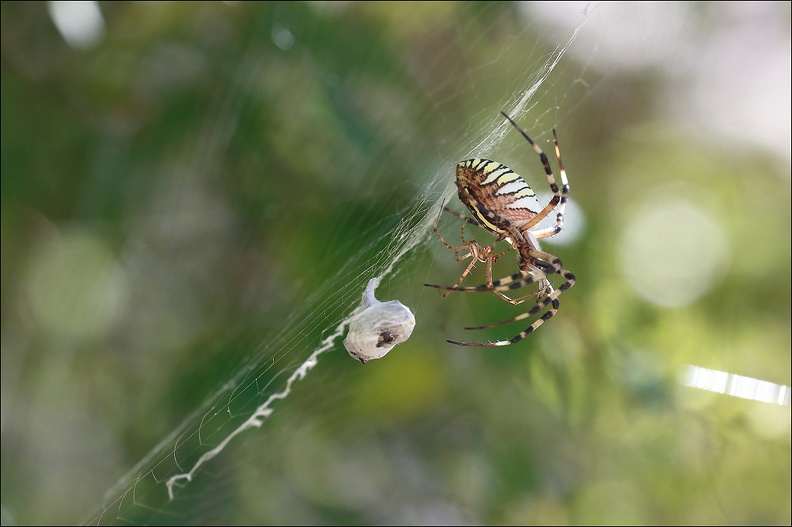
462,217
497,285
464,273
553,302
554,305
515,281
471,221
563,198
457,248
560,196
480,254
491,284
448,245
523,278
517,338
550,300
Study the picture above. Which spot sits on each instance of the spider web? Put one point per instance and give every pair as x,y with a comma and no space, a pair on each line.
306,149
172,482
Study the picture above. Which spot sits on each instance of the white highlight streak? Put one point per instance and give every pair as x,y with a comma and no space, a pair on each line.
736,385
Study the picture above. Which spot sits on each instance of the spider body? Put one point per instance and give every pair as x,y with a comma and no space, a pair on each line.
504,204
500,190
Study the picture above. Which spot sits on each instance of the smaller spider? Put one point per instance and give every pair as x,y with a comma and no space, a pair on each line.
504,204
478,252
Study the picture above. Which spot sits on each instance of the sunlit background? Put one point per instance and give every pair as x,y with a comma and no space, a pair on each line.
195,195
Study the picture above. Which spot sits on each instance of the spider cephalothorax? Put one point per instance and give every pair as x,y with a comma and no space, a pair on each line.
504,204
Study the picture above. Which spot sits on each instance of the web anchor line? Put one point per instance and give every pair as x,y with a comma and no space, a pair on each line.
257,418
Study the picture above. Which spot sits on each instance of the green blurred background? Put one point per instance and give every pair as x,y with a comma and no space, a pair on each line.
194,195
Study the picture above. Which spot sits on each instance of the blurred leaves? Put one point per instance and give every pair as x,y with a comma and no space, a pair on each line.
189,207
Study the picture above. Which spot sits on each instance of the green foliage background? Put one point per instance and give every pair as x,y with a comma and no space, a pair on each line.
177,197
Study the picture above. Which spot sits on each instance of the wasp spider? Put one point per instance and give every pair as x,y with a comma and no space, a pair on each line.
503,203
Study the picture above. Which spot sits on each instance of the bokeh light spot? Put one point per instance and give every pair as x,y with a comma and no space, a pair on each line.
80,23
75,287
672,252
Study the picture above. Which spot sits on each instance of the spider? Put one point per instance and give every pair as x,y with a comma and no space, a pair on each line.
503,203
